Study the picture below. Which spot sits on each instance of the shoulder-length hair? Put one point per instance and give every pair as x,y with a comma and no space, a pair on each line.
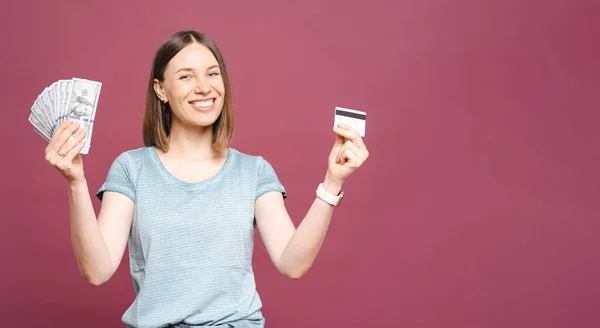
158,115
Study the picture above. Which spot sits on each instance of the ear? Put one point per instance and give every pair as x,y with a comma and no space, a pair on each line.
160,91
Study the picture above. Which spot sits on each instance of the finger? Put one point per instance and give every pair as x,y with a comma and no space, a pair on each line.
61,138
349,133
338,156
350,158
347,145
58,131
339,142
72,143
61,128
361,153
75,151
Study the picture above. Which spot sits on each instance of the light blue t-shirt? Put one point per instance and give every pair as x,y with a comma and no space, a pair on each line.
190,246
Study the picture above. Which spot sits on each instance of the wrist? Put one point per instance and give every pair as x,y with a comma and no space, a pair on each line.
328,197
77,184
332,186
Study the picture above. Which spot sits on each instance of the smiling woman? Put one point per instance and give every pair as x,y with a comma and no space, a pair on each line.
188,71
187,203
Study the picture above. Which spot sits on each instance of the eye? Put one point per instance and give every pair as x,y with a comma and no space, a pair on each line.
185,77
212,74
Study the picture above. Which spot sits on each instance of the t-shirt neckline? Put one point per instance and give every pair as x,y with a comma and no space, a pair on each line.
185,184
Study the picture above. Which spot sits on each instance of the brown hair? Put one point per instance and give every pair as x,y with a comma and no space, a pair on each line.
158,116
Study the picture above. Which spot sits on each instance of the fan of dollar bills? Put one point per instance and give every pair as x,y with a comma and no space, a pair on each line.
74,99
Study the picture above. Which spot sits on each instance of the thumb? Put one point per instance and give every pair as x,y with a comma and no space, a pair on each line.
337,145
339,141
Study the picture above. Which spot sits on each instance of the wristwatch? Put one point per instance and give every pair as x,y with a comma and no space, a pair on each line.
328,197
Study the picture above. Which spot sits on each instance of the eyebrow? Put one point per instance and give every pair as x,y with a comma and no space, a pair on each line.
191,69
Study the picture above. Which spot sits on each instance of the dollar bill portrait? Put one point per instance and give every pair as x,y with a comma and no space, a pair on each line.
82,107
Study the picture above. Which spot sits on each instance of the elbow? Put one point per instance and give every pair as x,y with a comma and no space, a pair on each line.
294,273
295,276
95,280
293,267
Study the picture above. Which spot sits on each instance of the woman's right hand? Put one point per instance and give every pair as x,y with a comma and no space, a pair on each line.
63,153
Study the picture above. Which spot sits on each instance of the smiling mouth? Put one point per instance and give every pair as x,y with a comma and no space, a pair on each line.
203,104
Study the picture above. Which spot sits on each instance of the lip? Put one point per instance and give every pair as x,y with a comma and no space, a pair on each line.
203,109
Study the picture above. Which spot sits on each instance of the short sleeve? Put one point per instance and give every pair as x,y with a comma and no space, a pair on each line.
119,179
267,179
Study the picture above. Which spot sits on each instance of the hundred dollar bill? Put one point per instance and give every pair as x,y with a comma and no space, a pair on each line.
81,106
64,87
38,126
37,117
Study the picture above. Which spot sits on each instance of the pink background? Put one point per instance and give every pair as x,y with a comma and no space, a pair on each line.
479,205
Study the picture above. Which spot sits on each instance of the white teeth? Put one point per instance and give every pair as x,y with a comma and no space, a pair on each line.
203,103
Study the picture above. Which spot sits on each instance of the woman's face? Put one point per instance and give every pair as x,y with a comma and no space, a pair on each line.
193,86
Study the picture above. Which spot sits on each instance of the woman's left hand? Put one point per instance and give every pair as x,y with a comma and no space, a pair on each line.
348,154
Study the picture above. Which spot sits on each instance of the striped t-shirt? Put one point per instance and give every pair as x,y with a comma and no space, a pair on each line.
190,245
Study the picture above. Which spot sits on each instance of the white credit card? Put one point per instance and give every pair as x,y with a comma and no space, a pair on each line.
354,118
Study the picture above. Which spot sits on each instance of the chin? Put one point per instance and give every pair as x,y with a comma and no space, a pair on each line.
204,121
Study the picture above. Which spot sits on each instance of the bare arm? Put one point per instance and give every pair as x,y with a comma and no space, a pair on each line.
98,245
292,250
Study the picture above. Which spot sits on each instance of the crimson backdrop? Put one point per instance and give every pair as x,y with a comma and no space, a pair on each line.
477,208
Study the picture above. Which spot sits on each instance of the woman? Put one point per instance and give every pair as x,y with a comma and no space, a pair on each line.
187,204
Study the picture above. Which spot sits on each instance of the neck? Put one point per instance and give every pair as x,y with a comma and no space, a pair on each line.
191,143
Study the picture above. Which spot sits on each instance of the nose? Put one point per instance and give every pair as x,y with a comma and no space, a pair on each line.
202,86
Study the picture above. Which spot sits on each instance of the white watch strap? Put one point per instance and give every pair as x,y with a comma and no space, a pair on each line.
327,197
